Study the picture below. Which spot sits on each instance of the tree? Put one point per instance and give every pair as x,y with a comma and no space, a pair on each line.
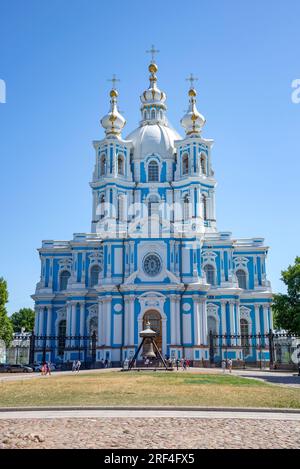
23,318
286,307
6,328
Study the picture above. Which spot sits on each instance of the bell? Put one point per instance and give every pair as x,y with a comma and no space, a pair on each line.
149,352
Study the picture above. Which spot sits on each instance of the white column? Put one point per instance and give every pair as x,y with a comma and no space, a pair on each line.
50,283
126,321
203,314
255,267
266,320
68,324
178,322
232,319
41,322
82,321
197,321
73,322
257,321
107,306
36,320
173,319
222,270
223,319
238,322
172,254
131,321
49,323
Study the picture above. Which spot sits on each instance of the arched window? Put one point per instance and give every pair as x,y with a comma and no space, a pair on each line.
93,326
185,164
102,165
152,114
204,204
63,280
153,171
121,165
211,328
62,327
94,275
203,163
120,208
153,206
210,274
155,320
241,278
244,335
145,115
102,205
186,207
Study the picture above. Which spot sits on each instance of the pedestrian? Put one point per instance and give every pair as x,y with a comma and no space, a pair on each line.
230,365
177,364
78,365
48,371
223,365
106,363
184,365
102,362
187,364
147,362
73,365
43,369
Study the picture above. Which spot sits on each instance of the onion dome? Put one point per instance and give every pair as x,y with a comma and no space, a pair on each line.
192,121
113,122
153,99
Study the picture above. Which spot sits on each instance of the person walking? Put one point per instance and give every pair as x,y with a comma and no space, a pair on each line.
73,365
230,365
78,365
177,364
48,368
43,369
223,365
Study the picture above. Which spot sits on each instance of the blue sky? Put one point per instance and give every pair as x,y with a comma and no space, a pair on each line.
56,56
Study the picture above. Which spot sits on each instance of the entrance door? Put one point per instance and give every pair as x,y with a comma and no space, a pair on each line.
156,325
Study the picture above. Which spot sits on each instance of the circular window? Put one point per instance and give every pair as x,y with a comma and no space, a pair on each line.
152,265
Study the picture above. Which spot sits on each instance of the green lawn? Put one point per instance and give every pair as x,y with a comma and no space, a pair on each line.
147,388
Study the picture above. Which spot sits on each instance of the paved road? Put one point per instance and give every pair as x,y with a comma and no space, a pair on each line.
199,414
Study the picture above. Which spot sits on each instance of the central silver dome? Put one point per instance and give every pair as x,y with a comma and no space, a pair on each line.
153,138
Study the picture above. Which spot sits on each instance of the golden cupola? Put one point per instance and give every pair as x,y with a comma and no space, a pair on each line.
113,122
192,121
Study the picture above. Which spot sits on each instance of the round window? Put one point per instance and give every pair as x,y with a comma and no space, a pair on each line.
152,265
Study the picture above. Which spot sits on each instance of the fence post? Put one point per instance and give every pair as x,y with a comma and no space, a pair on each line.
31,348
211,348
271,348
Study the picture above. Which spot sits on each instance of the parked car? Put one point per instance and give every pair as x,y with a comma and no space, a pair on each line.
3,367
19,369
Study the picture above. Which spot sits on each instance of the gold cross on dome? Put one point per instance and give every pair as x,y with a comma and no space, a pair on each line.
191,79
114,80
152,51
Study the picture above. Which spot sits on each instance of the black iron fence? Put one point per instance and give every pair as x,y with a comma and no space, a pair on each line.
274,350
63,349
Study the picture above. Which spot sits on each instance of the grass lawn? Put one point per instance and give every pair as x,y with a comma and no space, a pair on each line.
147,388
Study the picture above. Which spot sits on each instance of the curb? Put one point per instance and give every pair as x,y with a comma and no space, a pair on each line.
145,409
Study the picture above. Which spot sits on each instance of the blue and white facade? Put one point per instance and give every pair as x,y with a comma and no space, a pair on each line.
154,251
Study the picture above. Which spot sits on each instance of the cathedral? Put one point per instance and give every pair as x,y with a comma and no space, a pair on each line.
154,252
